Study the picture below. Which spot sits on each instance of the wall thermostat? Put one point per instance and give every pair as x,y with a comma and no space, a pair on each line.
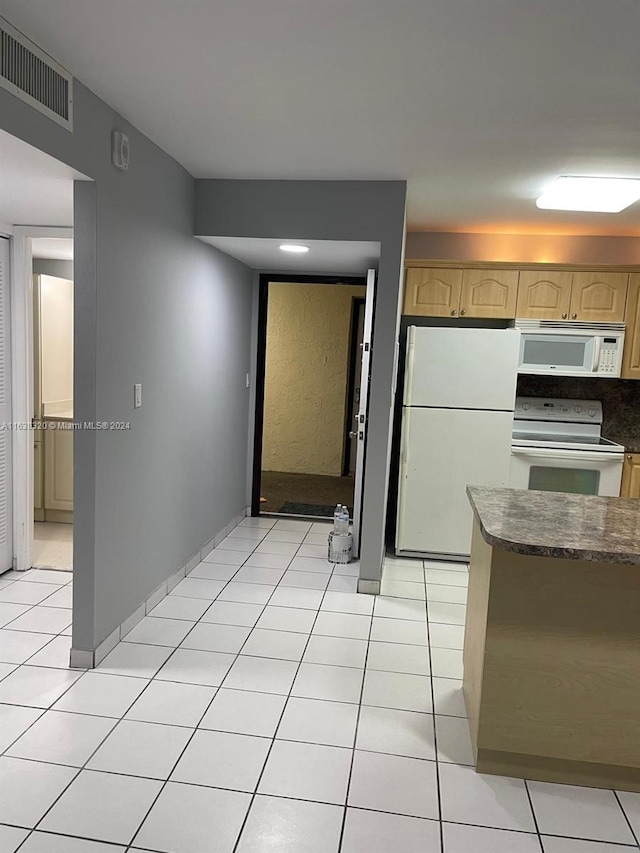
120,150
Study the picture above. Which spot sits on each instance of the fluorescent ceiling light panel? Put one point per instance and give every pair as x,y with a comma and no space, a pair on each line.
602,195
294,247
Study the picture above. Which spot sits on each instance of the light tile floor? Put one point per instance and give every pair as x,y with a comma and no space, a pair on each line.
53,545
265,707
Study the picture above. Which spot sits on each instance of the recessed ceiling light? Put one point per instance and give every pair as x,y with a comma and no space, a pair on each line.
294,247
602,195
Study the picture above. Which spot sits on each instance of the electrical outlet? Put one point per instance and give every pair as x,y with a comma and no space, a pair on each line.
137,396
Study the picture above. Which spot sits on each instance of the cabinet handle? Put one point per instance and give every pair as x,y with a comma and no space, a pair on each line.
462,312
453,313
564,316
629,457
574,316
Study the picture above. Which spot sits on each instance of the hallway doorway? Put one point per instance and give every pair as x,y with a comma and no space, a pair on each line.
52,268
308,350
311,361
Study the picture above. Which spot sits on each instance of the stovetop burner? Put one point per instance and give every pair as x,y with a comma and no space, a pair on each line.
543,422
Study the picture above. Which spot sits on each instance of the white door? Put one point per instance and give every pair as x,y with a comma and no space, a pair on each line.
443,452
363,410
6,485
462,368
355,400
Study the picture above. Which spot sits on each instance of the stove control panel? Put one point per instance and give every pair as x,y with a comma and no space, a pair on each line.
558,409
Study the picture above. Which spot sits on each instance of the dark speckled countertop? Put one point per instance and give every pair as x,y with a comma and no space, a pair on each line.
631,445
550,524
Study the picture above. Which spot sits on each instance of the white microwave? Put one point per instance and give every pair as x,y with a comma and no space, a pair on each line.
575,349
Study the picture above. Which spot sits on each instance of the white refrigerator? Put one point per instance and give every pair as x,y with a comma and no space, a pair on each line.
457,419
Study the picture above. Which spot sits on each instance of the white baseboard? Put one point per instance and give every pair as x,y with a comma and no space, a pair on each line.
82,659
156,597
111,642
193,561
208,548
129,624
174,579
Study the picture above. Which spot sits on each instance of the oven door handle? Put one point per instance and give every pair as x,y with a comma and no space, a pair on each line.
579,455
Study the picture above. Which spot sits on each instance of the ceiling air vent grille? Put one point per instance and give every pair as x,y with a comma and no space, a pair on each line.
31,75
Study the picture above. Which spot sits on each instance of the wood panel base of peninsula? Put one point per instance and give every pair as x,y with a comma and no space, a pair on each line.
552,667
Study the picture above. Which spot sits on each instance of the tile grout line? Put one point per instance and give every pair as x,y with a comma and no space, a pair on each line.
83,767
219,687
433,708
355,733
42,648
284,707
636,836
165,782
317,612
533,814
620,844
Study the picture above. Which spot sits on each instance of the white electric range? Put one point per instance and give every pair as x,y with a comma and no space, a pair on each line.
557,446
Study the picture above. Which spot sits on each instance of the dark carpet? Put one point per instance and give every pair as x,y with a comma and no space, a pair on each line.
280,487
292,508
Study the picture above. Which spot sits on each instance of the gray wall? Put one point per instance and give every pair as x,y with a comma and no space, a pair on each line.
332,210
152,305
531,248
54,267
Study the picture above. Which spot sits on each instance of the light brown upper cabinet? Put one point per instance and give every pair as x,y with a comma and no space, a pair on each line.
631,354
599,297
544,295
630,487
433,292
489,293
533,294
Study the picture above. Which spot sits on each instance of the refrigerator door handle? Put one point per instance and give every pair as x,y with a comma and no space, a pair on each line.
408,377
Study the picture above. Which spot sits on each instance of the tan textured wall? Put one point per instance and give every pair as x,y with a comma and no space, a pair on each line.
308,330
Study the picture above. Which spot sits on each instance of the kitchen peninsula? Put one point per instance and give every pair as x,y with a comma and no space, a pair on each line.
552,637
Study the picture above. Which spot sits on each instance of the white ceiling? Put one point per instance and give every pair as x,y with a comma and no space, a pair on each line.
325,257
52,248
478,104
35,189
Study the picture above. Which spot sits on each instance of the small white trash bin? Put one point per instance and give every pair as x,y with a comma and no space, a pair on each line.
340,547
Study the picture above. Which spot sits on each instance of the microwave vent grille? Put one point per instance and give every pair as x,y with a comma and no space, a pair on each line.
562,325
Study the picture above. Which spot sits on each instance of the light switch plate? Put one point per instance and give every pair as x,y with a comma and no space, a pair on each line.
137,396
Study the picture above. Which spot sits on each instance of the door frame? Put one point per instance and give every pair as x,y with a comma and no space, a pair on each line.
357,303
22,384
261,358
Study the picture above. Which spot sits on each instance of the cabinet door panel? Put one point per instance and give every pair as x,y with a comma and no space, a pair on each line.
432,292
58,469
489,293
37,475
599,297
631,355
544,295
630,487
